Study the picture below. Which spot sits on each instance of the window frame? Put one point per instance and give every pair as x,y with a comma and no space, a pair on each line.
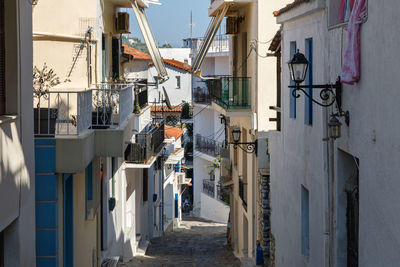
293,100
308,104
178,82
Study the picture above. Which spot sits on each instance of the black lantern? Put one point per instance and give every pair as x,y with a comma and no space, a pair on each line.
236,134
334,127
298,66
330,92
250,147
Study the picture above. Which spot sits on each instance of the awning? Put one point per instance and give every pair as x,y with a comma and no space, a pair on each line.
150,42
208,39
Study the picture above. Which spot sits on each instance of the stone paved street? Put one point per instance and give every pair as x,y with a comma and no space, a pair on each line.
196,243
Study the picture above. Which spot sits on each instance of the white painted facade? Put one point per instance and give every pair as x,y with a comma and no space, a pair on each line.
179,54
207,123
178,91
17,167
300,156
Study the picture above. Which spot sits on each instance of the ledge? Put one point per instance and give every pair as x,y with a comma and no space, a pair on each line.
8,118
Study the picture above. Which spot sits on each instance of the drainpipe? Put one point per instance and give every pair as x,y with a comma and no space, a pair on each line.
327,190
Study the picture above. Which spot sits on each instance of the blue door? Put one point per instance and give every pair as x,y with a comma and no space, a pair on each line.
68,215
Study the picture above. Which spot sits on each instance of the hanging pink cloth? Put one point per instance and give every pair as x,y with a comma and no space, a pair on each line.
351,61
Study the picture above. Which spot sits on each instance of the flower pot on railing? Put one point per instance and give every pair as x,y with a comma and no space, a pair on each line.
45,121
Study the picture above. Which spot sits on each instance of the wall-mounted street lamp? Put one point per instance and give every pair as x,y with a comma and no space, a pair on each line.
298,67
249,147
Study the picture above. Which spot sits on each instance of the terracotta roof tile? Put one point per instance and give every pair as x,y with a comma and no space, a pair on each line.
170,132
136,54
175,63
289,7
157,108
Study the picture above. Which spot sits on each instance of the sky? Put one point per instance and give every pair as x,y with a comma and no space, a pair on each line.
170,21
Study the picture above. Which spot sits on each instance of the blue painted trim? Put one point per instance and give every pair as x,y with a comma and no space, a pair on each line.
176,205
292,113
89,187
68,221
308,108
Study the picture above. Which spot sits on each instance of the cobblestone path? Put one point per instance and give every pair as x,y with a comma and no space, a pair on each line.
196,243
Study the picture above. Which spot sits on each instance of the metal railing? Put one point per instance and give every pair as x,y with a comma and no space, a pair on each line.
230,92
112,104
219,44
201,96
209,188
208,146
73,112
141,96
62,113
147,143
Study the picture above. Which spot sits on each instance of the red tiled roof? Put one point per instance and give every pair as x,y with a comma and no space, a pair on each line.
170,132
175,63
289,7
136,54
157,108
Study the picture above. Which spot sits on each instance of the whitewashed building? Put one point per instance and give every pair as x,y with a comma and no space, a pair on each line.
334,202
17,160
209,134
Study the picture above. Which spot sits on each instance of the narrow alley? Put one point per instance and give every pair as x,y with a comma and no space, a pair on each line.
196,242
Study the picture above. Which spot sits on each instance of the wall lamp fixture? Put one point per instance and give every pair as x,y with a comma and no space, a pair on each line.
249,147
330,93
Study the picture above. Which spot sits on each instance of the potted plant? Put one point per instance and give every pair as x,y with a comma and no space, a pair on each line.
43,80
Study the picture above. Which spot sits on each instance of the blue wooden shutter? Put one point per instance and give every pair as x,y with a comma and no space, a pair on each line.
292,98
46,190
308,112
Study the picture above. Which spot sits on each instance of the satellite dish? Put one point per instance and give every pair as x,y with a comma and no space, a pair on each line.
167,102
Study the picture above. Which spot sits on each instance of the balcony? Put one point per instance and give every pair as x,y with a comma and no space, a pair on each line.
220,44
141,98
208,146
231,93
201,96
147,144
62,113
69,113
112,104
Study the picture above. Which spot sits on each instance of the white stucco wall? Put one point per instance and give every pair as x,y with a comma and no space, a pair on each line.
213,209
176,95
295,163
17,167
179,54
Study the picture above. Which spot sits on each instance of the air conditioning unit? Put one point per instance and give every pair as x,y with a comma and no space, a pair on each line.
232,25
123,22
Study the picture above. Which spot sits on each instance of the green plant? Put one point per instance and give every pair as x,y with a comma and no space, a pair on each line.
43,80
214,165
137,109
185,111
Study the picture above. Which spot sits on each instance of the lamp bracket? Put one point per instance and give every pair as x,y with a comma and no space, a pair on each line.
249,147
326,93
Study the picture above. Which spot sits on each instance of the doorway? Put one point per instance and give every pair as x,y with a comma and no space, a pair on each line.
68,221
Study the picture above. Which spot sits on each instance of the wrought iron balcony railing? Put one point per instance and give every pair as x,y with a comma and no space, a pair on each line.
201,96
141,96
147,143
208,146
230,92
112,104
209,188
